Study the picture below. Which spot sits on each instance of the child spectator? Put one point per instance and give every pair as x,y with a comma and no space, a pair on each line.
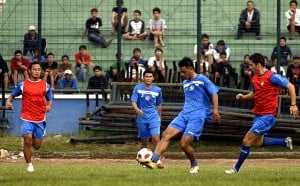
285,52
64,65
98,81
35,57
157,27
293,19
83,62
93,30
245,73
19,67
136,29
50,69
114,18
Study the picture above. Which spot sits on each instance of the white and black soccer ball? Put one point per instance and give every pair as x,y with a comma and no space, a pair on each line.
144,155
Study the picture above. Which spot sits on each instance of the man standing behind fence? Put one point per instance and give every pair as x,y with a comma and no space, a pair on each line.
266,86
146,100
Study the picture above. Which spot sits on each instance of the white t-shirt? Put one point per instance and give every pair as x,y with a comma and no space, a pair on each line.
158,63
273,69
288,15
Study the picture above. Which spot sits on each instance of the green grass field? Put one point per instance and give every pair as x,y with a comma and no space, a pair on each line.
128,172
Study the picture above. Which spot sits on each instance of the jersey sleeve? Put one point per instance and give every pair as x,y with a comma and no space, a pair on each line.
134,95
49,94
211,88
17,90
279,80
159,99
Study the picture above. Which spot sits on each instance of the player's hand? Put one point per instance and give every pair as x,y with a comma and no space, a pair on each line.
8,105
139,112
216,117
239,96
48,108
294,110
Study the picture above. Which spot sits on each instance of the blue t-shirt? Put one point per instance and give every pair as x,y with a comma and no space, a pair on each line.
198,92
68,84
147,100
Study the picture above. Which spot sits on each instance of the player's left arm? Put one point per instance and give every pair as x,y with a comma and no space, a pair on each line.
215,103
283,82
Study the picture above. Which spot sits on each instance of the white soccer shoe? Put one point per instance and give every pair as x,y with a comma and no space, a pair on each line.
231,171
194,169
160,164
289,143
30,168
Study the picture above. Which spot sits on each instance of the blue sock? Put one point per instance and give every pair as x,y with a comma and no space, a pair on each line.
194,162
155,157
273,142
243,155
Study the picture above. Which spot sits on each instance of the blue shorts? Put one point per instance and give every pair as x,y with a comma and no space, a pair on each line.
149,129
190,124
263,124
38,130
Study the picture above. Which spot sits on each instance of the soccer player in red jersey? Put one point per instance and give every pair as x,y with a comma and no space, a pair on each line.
266,87
37,99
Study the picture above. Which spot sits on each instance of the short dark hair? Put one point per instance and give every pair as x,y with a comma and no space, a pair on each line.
158,49
223,53
221,42
284,38
50,54
33,63
148,71
186,62
65,55
137,11
94,10
82,47
246,55
257,58
97,68
204,36
156,9
136,49
293,1
18,52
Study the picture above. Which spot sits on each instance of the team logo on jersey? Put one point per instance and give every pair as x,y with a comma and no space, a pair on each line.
147,98
262,83
191,88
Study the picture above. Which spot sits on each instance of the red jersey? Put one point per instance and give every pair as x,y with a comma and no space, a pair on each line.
14,66
78,58
265,94
35,95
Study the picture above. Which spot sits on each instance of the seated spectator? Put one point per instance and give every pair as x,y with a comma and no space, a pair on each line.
64,65
249,21
68,81
206,56
137,53
98,81
3,72
117,70
274,68
35,57
93,30
285,52
267,63
30,42
83,62
293,19
223,68
136,29
19,66
157,27
245,74
221,47
157,64
293,73
114,18
50,69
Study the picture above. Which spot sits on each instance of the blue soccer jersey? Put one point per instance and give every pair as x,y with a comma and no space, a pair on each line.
147,99
198,92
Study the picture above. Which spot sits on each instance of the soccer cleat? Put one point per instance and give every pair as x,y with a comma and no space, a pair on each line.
231,171
159,164
289,143
194,169
30,168
150,165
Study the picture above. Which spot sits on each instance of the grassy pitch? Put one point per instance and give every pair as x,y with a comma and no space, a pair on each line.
112,172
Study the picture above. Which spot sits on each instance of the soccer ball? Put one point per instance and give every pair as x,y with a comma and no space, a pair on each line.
144,155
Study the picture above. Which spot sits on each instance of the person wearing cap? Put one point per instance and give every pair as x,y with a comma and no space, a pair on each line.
30,42
293,72
114,18
68,81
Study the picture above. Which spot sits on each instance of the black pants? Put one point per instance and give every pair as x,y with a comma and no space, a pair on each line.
253,28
